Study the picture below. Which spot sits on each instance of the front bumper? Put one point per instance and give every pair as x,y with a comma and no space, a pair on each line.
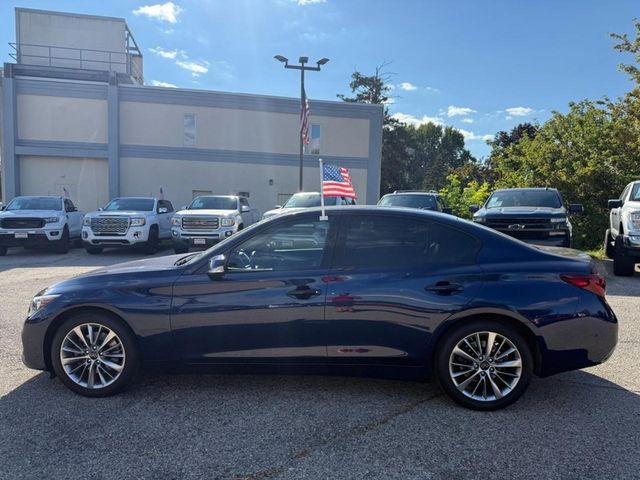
183,238
34,333
133,236
30,237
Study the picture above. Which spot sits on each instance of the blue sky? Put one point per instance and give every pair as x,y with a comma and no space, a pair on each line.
480,66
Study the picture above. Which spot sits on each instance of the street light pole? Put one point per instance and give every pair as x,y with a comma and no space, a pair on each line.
302,67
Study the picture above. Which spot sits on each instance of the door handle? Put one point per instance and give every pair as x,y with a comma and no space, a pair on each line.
304,292
444,288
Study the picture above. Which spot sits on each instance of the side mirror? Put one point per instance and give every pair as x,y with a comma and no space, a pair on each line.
474,208
162,210
216,267
615,203
245,209
3,207
447,210
100,209
576,208
183,207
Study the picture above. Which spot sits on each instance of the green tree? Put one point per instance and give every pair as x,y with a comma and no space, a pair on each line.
459,197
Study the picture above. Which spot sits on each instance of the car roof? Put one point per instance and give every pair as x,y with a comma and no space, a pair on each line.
412,192
369,209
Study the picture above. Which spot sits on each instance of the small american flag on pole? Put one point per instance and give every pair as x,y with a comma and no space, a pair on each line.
304,118
336,182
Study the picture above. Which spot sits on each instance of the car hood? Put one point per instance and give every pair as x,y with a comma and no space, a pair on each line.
545,212
29,213
200,212
117,213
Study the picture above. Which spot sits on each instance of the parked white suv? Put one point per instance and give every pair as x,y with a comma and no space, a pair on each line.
39,221
128,221
622,239
210,219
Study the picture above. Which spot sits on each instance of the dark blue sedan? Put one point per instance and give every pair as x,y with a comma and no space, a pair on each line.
400,292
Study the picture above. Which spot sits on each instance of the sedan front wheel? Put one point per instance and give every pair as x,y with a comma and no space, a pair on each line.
94,354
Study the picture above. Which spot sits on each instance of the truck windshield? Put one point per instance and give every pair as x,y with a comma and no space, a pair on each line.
137,204
307,200
214,203
412,201
35,203
525,198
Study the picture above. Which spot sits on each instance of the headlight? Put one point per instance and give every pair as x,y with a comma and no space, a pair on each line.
634,221
176,221
86,221
559,223
228,222
137,222
51,219
40,301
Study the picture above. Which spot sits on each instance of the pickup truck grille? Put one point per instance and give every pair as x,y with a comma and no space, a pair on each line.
110,225
200,223
18,222
522,228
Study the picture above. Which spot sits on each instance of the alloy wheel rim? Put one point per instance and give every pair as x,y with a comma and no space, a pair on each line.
92,355
485,366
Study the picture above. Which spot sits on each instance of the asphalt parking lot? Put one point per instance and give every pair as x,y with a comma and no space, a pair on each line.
583,424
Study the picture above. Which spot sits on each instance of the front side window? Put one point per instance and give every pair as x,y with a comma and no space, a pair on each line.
165,205
214,203
397,242
134,204
34,203
294,245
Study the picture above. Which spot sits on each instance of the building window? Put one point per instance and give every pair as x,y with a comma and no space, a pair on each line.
313,147
189,124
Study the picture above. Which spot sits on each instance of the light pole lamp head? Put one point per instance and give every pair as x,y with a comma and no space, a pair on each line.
322,61
303,60
282,59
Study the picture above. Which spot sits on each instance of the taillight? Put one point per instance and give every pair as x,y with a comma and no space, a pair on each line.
593,282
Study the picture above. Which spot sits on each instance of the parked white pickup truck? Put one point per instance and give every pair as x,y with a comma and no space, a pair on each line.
128,221
210,219
39,221
622,239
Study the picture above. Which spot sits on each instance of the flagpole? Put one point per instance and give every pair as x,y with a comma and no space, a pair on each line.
323,216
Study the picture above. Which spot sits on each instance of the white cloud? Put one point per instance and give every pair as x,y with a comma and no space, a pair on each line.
166,12
519,111
467,120
432,89
308,2
472,136
453,111
196,68
415,121
169,54
407,87
158,83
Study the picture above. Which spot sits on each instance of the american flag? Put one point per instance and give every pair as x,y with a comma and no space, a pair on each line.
336,182
66,192
304,118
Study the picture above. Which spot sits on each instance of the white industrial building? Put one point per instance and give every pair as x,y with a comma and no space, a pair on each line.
76,115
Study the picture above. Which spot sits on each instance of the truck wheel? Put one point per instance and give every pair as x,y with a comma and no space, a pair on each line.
151,245
93,250
609,250
62,245
623,265
3,251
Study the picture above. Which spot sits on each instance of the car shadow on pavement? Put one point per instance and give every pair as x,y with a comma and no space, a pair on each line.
575,425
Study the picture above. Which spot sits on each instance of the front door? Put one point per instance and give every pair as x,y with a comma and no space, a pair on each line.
269,305
395,279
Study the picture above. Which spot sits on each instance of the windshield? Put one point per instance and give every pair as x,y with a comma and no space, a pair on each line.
525,198
214,203
635,193
35,203
412,201
137,204
307,200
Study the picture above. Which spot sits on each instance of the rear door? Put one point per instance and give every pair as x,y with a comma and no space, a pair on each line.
395,279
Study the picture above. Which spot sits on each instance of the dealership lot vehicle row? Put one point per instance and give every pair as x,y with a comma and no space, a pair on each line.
277,426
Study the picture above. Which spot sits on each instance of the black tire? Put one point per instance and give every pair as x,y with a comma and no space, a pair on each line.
240,227
609,249
3,251
93,250
152,244
623,265
180,250
567,242
457,334
62,245
131,355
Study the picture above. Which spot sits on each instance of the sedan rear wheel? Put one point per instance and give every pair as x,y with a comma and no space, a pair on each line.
94,355
485,365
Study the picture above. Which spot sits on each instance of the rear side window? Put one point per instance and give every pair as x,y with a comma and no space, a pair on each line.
396,242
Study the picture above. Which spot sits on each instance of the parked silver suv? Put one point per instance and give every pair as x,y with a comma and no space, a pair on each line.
622,239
